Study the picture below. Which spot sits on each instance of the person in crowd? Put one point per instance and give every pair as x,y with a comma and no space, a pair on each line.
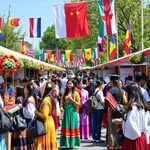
64,81
70,134
97,114
140,79
37,90
135,125
83,113
93,77
56,114
25,81
2,136
116,92
9,87
46,108
19,139
19,82
85,82
29,107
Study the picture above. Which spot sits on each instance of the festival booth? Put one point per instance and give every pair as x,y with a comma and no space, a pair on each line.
16,64
124,66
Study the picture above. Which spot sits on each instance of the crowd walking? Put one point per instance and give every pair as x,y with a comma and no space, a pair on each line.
80,106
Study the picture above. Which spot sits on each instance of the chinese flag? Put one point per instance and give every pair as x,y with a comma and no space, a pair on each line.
71,20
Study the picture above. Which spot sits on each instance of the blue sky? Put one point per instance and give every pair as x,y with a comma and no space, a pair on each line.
26,9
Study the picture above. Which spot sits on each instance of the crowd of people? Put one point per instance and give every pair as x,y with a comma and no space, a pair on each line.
63,101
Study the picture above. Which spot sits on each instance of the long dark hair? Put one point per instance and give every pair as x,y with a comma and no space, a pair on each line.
31,90
67,89
48,93
135,96
116,84
19,91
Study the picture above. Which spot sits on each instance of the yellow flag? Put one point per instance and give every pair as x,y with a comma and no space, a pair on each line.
88,54
52,59
67,54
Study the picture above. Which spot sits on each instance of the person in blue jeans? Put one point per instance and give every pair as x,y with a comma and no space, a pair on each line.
97,114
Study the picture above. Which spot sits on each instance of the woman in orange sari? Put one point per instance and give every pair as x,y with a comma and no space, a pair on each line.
48,141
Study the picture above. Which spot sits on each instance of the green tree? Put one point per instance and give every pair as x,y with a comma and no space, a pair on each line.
10,35
50,42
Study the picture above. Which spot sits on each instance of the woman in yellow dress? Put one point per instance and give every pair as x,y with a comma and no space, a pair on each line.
48,141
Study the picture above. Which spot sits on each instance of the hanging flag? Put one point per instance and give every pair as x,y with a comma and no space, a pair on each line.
58,56
127,41
107,23
49,52
82,57
71,20
39,54
67,52
14,22
101,43
113,50
71,58
52,59
96,53
35,27
30,52
1,28
23,50
88,54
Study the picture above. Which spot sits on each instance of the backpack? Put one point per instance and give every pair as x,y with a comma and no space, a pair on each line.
93,102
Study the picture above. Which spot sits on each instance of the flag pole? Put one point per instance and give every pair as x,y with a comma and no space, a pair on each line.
117,36
142,20
107,49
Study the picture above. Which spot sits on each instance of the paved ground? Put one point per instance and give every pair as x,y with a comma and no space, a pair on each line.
88,144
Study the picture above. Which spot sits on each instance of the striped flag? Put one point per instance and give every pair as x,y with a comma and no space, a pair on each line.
113,50
96,53
23,51
101,43
127,41
1,28
107,23
35,27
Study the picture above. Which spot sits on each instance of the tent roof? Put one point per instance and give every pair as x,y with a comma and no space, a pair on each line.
124,59
4,50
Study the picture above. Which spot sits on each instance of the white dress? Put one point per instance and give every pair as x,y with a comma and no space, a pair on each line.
137,122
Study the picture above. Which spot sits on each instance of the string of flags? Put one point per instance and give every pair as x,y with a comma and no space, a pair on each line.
71,21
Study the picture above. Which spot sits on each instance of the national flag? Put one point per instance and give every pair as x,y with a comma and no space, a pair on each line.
49,52
96,53
71,58
23,49
30,52
35,27
39,54
67,52
101,43
88,54
52,59
71,20
107,23
1,28
14,22
127,41
113,50
58,56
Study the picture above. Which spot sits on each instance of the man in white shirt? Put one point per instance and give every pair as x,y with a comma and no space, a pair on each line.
140,79
64,81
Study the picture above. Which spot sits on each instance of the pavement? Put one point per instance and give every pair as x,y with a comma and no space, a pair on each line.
87,144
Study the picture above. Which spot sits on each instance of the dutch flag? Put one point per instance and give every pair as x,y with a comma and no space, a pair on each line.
35,27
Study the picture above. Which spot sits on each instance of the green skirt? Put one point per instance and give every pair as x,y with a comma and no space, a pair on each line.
70,134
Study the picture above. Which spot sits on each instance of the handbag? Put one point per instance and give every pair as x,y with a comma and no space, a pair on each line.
5,121
19,123
37,128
